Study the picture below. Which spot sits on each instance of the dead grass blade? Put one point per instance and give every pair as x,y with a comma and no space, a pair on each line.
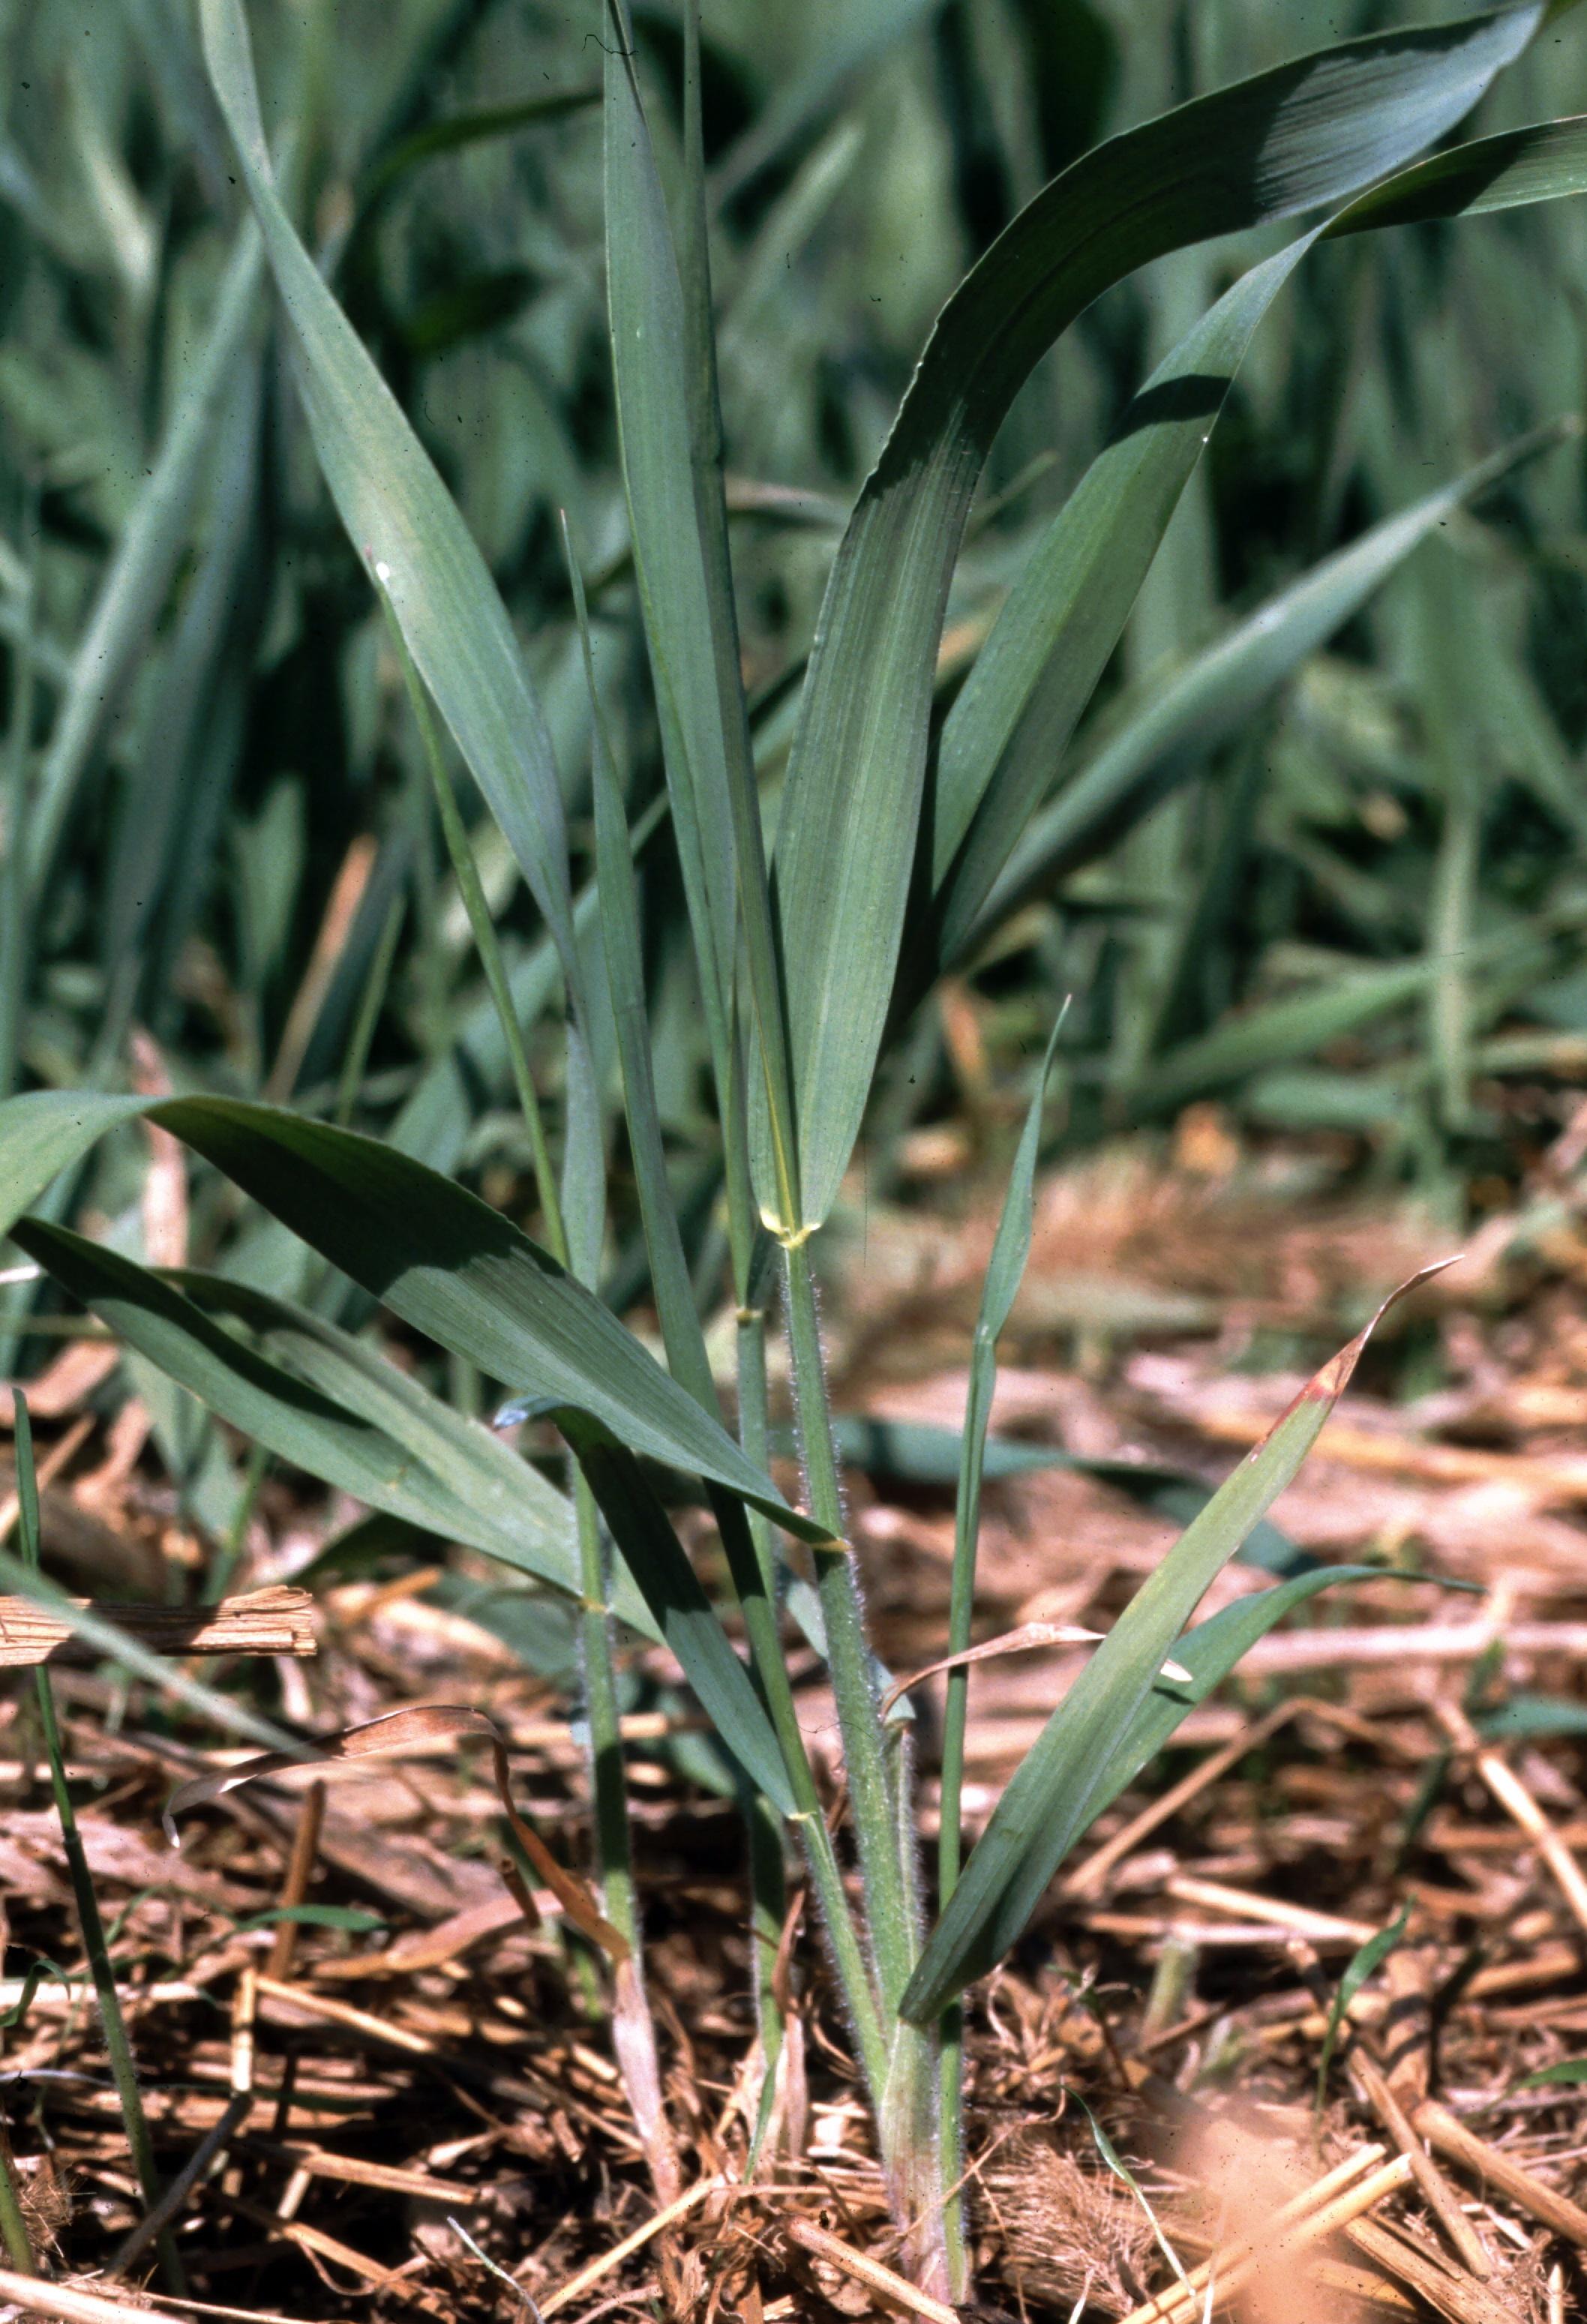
424,1725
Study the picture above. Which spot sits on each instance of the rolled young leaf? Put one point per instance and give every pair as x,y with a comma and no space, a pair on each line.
1056,1790
1005,1269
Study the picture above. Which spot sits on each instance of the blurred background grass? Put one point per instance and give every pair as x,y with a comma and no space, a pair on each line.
1359,923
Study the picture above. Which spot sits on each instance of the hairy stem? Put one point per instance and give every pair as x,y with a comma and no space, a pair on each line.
853,1685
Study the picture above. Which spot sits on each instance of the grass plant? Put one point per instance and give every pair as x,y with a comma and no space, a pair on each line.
839,834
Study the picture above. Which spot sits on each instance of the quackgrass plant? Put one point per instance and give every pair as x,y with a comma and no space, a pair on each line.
904,837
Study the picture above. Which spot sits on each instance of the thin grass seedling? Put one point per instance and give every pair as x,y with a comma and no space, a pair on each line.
371,1001
117,2044
1007,1266
1115,2163
633,2028
1362,1964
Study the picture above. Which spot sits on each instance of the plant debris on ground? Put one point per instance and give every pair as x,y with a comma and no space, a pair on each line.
404,2078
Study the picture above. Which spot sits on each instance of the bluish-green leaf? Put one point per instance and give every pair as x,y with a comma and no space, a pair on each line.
1060,1786
437,1256
1151,748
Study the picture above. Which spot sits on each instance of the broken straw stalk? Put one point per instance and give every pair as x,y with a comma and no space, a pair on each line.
278,1621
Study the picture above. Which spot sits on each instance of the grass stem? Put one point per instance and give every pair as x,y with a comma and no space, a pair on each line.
853,1684
371,1001
482,927
960,1610
118,2047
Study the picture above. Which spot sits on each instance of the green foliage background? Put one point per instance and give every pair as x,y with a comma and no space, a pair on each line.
1363,913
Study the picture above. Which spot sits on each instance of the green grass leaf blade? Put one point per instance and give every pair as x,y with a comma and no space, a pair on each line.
138,578
1540,163
43,1133
326,1402
1015,714
438,1257
1568,2073
1212,697
456,131
1049,645
1303,135
1360,1966
1277,1031
670,435
680,1608
404,522
1055,1793
456,1270
651,374
1209,1653
681,1332
1009,1252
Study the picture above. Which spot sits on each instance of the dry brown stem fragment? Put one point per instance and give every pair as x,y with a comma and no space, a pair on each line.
1301,1919
276,1621
1434,2186
421,1727
1294,2227
1518,1803
598,2269
1450,2137
885,2282
1459,2298
72,2305
295,1886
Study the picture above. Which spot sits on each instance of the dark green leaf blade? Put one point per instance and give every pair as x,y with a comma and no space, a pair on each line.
1211,697
669,427
322,1400
457,1270
404,522
679,1606
43,1133
1359,1966
438,1256
1540,163
1015,714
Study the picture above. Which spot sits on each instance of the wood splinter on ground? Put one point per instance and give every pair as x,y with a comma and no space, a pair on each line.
276,1621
